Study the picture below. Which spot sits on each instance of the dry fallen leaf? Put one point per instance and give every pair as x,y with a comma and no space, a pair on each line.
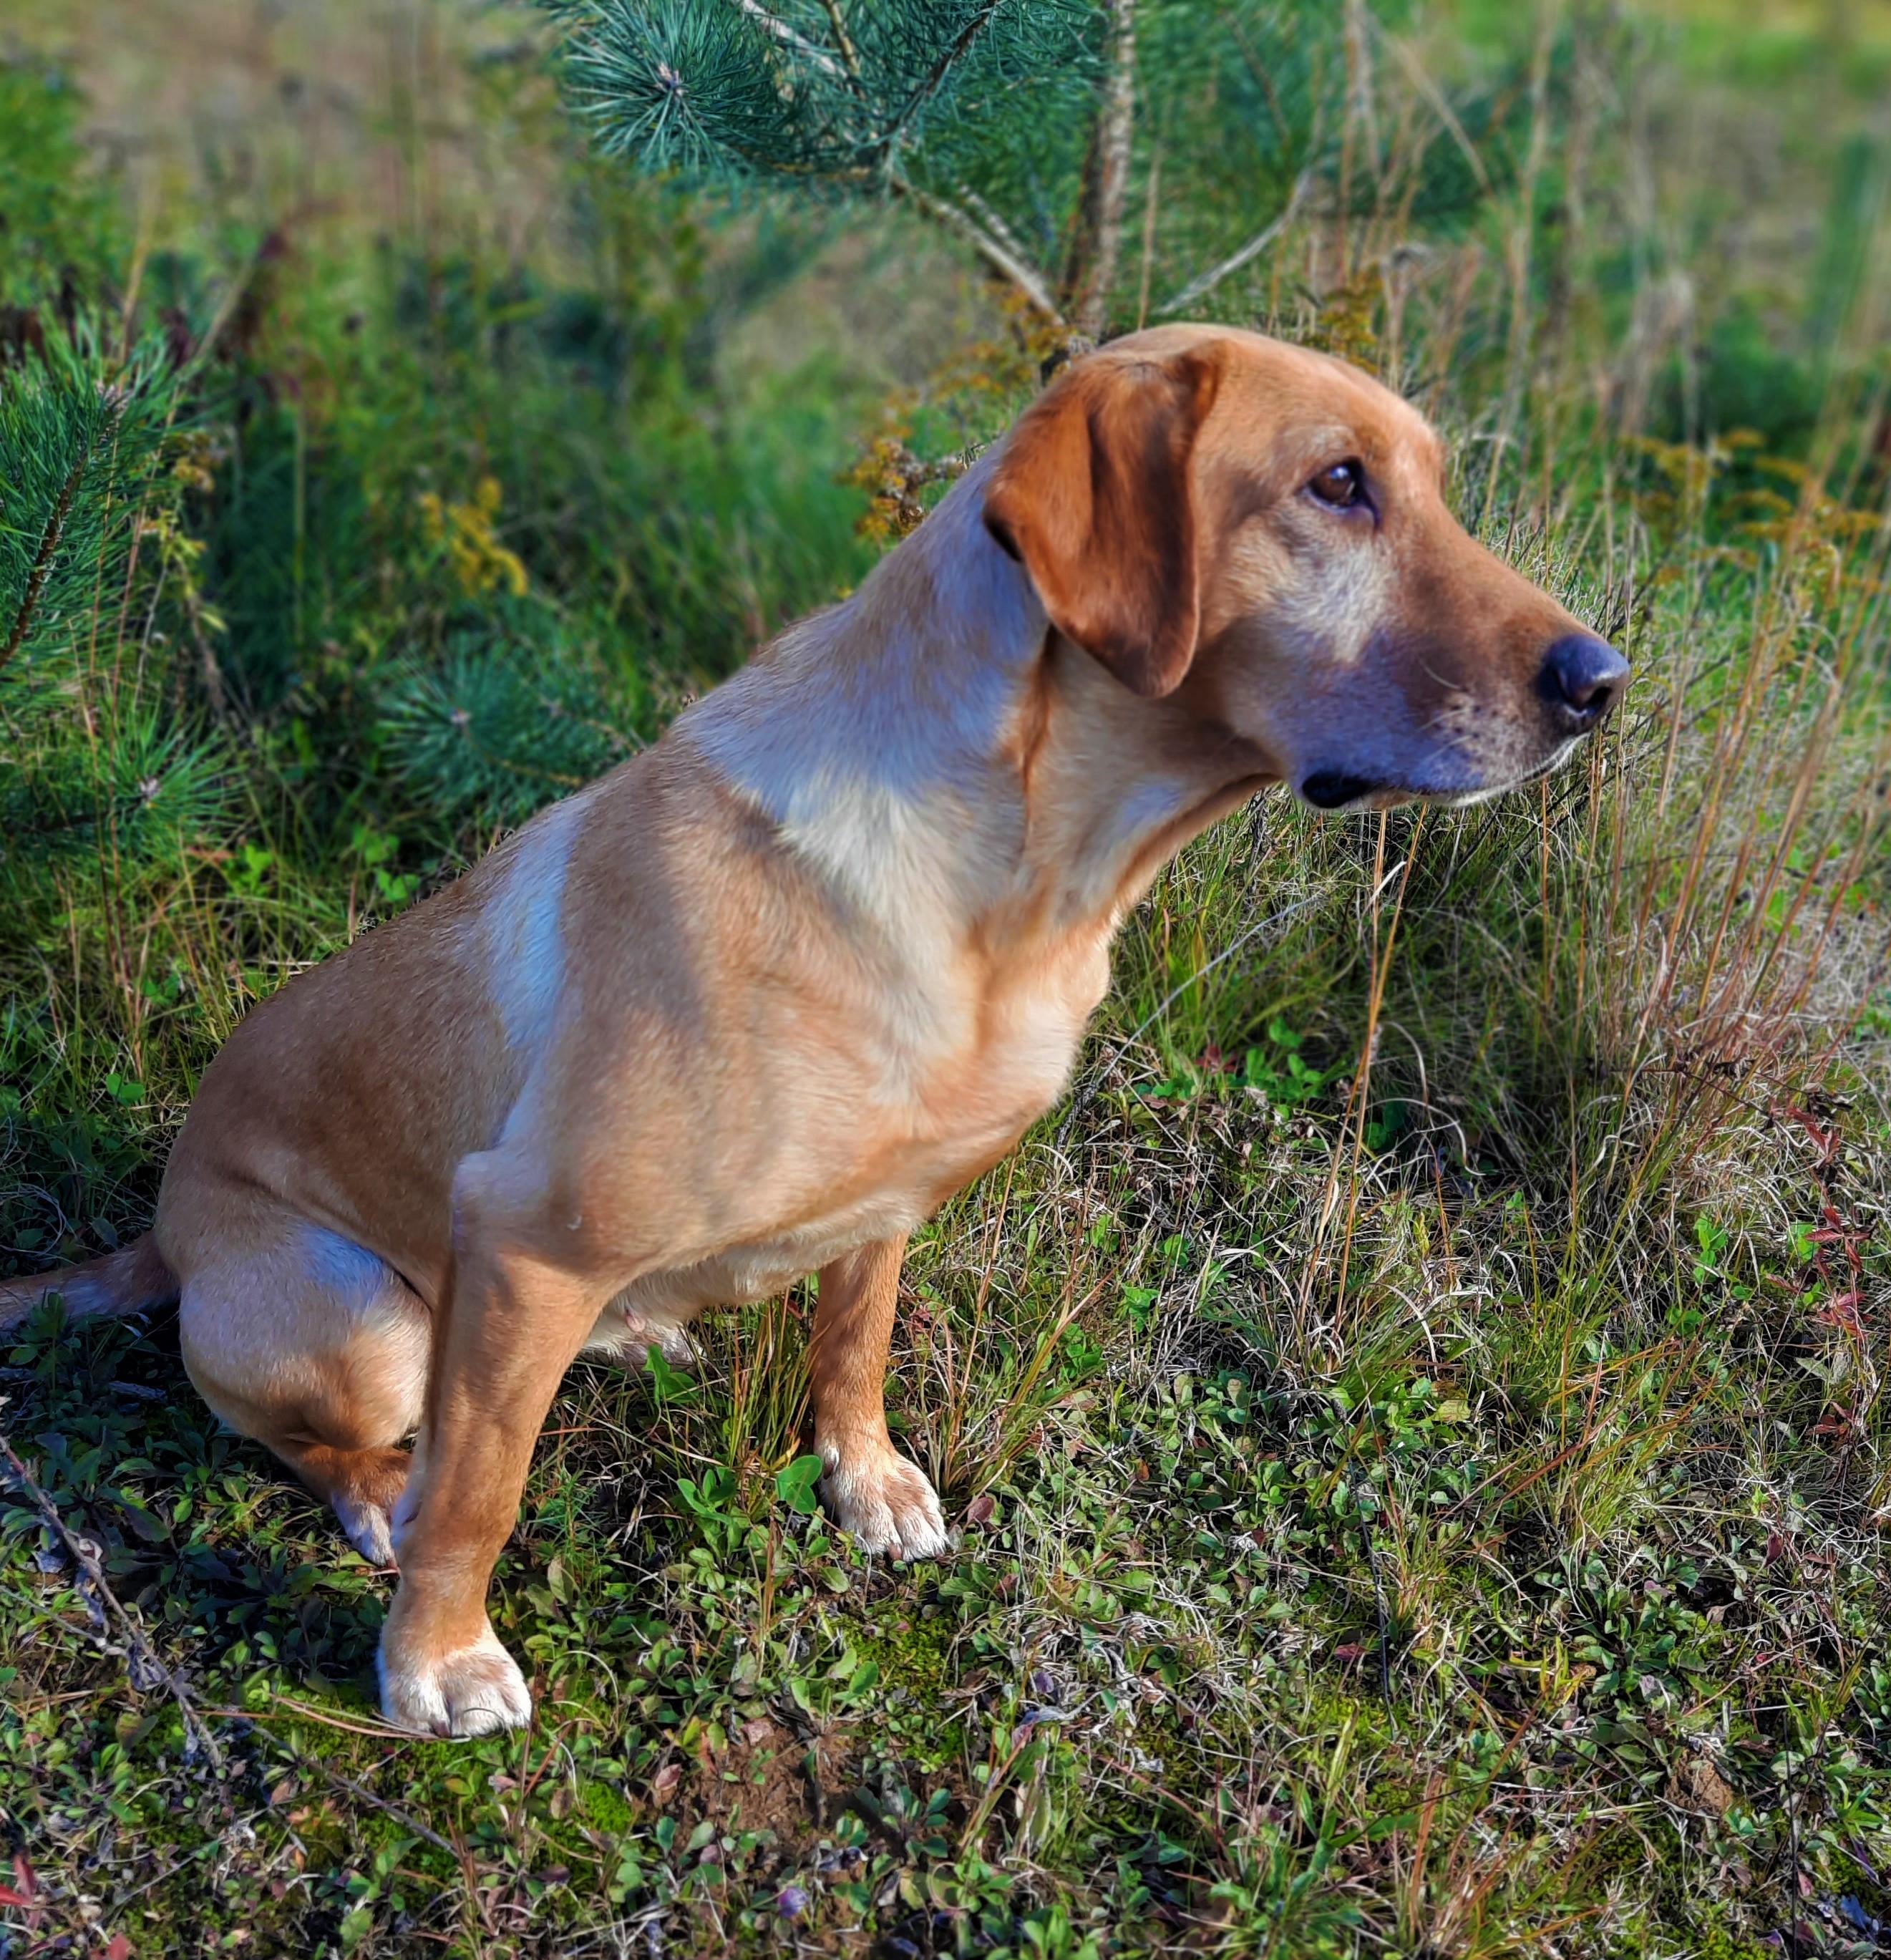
1696,1784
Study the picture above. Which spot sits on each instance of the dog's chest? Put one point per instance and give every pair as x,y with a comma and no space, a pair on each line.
657,1307
1028,1043
957,1108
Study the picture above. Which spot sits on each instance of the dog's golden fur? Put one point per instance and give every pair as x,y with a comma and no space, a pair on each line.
756,1003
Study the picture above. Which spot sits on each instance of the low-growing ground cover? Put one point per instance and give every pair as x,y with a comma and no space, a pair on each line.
1414,1419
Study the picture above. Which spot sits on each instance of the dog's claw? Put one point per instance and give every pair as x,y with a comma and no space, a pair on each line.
473,1692
886,1504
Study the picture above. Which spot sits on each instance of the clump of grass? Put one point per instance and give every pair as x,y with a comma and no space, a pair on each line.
1416,1418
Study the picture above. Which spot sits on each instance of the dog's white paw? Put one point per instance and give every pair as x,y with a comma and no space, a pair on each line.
367,1528
886,1503
472,1692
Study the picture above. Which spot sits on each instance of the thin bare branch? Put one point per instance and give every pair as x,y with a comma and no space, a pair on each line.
850,54
779,31
1025,276
993,221
1209,280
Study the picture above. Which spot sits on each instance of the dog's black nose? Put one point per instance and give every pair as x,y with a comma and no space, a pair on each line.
1582,678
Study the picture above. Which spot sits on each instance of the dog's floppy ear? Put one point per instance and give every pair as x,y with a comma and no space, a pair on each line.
1094,495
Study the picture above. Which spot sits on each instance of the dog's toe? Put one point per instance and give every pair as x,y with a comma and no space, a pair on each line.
887,1505
472,1692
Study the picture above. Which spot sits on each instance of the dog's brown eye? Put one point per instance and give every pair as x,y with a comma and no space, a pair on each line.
1338,486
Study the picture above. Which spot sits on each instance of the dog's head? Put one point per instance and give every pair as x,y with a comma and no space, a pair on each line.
1261,532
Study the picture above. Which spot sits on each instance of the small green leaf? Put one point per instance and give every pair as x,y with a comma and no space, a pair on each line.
667,1384
798,1485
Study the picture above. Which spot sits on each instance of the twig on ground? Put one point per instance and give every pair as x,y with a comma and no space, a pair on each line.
1378,1603
456,1852
382,1731
144,1667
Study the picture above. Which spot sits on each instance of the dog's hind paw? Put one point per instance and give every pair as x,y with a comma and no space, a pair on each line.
472,1692
363,1487
886,1504
366,1528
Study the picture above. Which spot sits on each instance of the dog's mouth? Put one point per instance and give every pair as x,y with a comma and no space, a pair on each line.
1333,789
1340,789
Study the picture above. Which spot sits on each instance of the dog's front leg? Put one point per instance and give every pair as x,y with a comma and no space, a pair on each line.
513,1324
884,1501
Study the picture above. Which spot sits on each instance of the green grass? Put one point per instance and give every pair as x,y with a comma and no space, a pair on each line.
1415,1417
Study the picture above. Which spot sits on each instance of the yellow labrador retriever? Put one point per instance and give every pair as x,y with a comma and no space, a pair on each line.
756,1003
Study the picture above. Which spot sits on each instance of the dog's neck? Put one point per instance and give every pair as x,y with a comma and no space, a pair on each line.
955,767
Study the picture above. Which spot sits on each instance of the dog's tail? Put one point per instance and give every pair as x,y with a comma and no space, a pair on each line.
126,1281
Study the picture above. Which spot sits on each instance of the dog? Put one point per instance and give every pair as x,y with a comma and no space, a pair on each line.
756,1003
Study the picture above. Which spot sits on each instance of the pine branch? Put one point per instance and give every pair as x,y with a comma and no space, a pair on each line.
948,59
55,530
918,100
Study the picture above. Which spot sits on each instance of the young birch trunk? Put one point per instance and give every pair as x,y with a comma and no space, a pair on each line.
1096,241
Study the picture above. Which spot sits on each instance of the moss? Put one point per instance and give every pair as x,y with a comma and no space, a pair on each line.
913,1655
1719,1939
603,1806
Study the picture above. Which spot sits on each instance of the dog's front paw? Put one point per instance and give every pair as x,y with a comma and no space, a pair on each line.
886,1503
471,1692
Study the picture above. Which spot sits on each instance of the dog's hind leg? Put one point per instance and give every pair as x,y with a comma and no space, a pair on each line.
318,1349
